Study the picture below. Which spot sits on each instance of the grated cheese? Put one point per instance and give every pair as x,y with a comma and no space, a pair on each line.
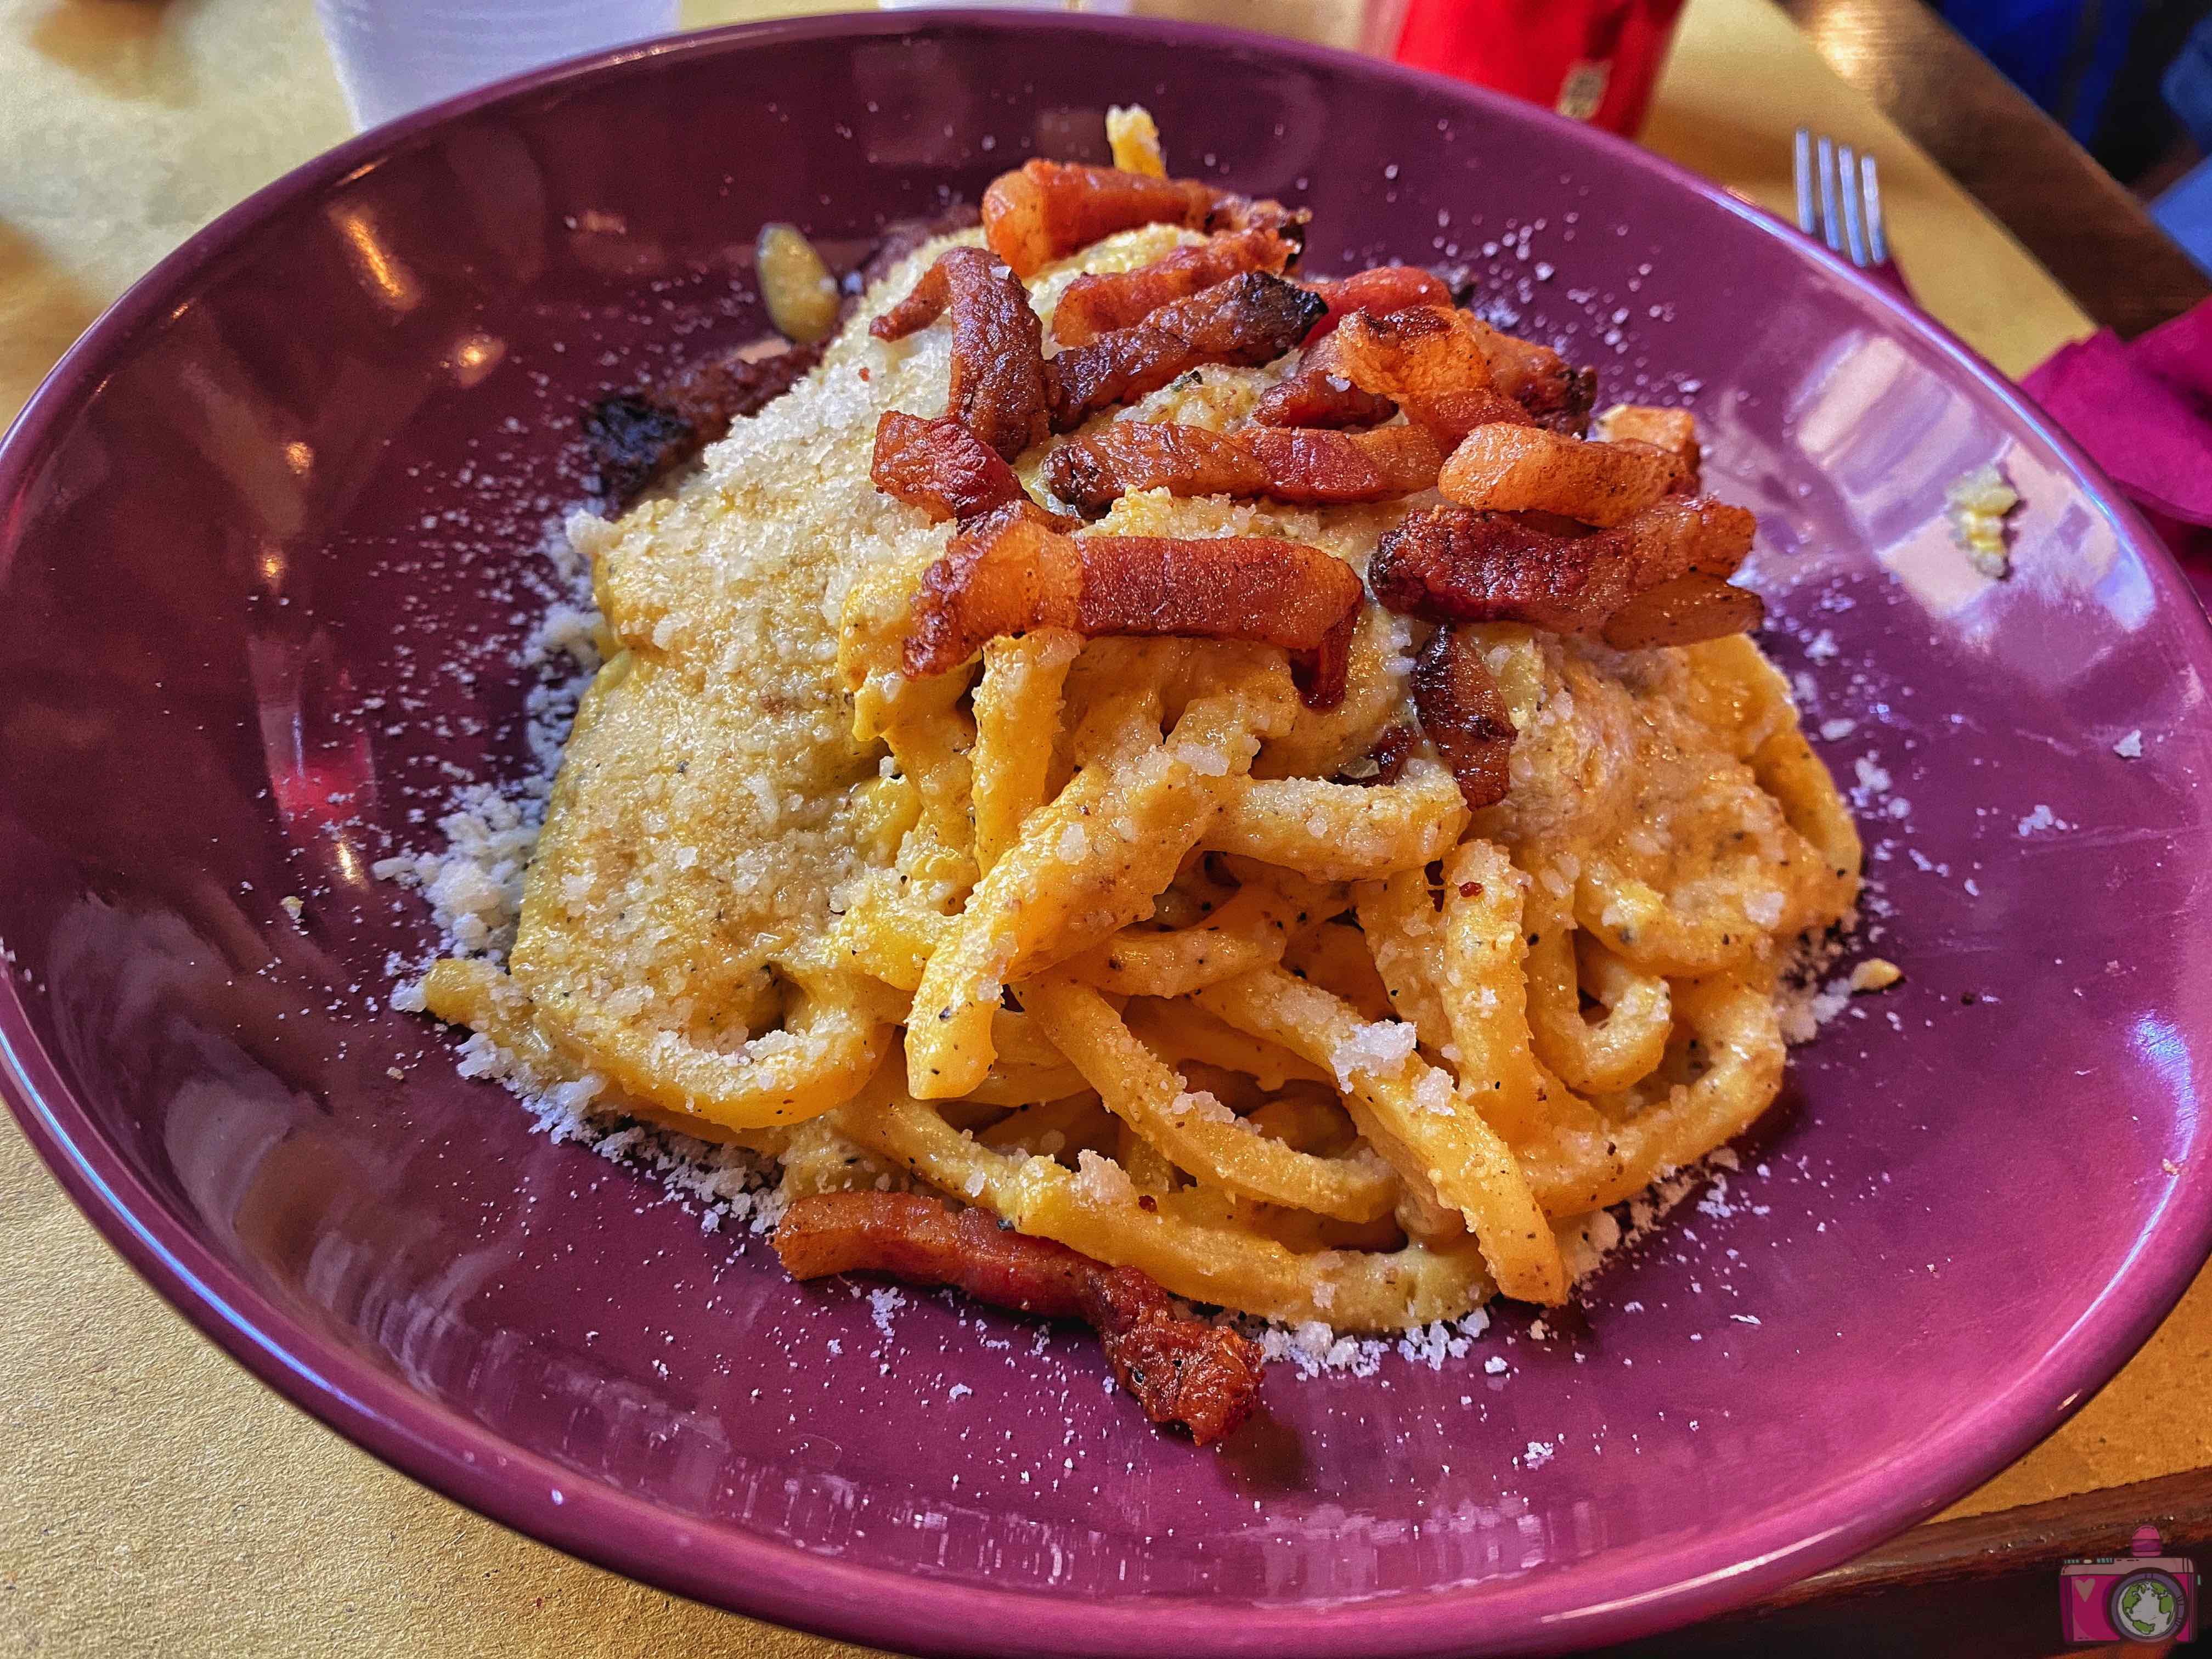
1376,1049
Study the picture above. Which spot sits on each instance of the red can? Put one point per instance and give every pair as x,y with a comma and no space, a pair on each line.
1594,60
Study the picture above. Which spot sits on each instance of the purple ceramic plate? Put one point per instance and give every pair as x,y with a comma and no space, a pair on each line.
269,536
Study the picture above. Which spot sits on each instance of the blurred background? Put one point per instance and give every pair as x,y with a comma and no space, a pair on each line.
2128,81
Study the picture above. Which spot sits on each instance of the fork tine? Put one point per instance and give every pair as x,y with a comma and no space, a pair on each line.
1803,168
1871,189
1830,219
1847,171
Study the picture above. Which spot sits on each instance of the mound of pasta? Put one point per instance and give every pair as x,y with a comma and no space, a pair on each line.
1232,775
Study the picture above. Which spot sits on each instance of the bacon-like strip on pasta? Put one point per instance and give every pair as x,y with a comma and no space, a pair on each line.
1306,468
1672,430
637,438
1007,573
1314,397
1683,611
1198,1376
1465,716
1231,213
1249,319
1044,210
1429,360
1386,287
1556,396
999,382
1098,302
1524,468
944,468
1456,564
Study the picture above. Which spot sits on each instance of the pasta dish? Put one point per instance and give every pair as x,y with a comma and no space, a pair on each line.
1146,780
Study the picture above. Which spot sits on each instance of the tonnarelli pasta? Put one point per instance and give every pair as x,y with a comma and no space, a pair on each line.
1282,883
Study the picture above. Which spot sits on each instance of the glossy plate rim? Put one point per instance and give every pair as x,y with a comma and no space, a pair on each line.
791,1586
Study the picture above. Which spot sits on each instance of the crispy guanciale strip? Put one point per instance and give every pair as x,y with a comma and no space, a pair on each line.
637,438
1434,359
941,467
1429,360
1386,287
1683,611
1305,467
1465,716
1049,209
1008,574
1525,468
1098,302
1428,351
1314,397
1232,213
1457,564
1182,1370
1673,430
1318,393
1249,319
1557,397
998,383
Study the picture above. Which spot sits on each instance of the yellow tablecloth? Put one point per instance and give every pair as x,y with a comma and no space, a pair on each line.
157,1501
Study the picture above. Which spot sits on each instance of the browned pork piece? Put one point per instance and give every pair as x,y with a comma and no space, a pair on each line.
1098,302
1673,430
1386,287
1322,392
1457,564
1307,468
999,384
1313,396
1007,573
945,469
1182,1370
1046,209
637,438
1429,360
1682,613
1464,715
1232,212
1523,468
1434,360
1555,395
1249,319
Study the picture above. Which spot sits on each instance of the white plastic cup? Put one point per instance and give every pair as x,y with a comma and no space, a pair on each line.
394,56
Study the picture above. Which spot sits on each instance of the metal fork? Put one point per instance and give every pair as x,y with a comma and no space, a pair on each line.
1840,201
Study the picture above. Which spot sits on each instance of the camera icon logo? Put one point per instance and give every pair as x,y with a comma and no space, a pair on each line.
2142,1596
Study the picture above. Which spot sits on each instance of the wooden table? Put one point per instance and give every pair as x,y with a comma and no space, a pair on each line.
160,1501
2085,226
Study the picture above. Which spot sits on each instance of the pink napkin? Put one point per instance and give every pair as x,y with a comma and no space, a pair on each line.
2144,410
